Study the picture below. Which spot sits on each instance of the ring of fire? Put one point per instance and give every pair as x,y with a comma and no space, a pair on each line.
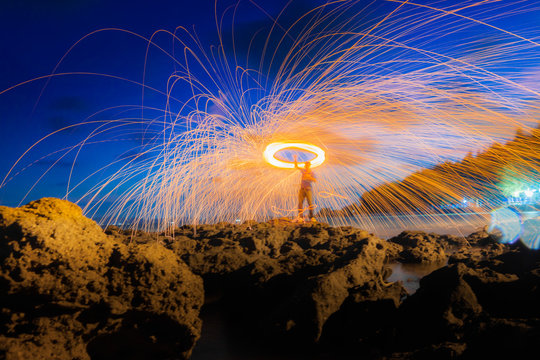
271,150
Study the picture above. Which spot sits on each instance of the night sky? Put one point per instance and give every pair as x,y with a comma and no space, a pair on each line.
37,33
35,36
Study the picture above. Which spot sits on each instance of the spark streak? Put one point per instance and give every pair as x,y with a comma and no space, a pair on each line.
385,97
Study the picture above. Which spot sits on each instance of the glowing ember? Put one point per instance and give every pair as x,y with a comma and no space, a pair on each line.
271,150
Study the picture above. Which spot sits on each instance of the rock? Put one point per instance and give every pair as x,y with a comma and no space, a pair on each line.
365,321
440,309
69,291
450,242
473,255
443,351
393,251
290,246
420,247
519,260
509,285
481,238
310,261
497,338
301,317
310,235
217,260
470,304
479,246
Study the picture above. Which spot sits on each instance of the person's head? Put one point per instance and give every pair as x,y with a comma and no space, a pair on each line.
308,164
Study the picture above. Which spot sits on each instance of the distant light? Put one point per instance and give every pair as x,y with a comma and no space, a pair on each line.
515,194
529,192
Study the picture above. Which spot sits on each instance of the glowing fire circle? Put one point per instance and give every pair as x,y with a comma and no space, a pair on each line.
271,150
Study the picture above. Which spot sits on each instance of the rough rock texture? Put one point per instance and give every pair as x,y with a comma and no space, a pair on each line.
284,280
303,315
485,309
364,322
477,246
69,291
420,247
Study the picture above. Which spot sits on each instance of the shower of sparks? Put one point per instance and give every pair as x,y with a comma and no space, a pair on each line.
413,89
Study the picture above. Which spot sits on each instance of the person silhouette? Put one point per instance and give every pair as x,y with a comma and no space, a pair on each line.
305,192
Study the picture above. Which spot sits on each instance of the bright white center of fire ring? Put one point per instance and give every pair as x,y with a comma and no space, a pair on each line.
271,150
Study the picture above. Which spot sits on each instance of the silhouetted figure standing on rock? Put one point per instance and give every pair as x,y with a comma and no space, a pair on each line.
305,192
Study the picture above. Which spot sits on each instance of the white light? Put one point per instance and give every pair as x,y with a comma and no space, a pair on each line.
273,148
529,192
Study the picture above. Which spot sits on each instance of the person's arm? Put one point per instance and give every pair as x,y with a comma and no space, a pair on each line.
312,177
295,157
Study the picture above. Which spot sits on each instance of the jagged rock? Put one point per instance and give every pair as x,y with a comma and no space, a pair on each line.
310,235
450,242
420,247
302,316
440,309
364,321
471,304
497,338
443,351
69,291
393,251
474,255
478,246
481,238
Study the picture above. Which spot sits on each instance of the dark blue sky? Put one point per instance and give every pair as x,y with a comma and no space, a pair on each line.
35,34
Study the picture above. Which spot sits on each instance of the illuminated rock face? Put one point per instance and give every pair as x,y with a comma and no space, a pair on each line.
420,247
291,278
69,291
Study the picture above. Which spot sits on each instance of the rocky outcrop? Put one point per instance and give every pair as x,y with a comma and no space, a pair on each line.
286,280
484,309
420,247
69,291
303,315
477,246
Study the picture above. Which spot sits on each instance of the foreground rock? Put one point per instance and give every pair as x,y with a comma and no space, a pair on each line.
71,291
68,291
475,309
285,281
302,316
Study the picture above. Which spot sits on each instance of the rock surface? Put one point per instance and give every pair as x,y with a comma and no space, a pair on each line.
484,307
291,278
69,291
420,247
